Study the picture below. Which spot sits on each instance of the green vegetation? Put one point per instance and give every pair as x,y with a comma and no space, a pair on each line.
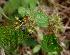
23,14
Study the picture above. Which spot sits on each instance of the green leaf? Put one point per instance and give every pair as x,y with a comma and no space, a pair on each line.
55,53
31,3
2,14
29,12
36,49
1,11
30,42
22,11
9,38
14,53
41,18
49,43
11,6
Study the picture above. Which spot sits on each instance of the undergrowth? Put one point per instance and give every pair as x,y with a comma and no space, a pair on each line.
22,16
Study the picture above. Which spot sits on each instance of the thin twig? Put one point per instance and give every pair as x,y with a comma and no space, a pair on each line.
66,27
62,6
2,51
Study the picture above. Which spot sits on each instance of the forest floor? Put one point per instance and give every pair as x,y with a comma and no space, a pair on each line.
62,8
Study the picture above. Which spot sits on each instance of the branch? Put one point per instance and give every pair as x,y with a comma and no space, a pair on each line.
66,27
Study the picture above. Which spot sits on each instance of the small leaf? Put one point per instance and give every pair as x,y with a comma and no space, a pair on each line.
41,18
30,42
9,38
55,53
22,11
36,49
49,43
3,14
31,3
14,53
11,6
